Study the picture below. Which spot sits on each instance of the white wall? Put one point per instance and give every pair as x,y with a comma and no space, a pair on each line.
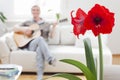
6,6
67,5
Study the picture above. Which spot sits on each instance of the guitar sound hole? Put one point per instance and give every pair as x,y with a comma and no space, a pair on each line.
33,32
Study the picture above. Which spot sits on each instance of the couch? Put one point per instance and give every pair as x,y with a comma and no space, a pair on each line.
64,45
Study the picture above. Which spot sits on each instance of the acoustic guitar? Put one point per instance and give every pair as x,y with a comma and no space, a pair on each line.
22,40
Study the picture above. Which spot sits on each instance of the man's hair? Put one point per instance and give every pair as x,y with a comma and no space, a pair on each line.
35,6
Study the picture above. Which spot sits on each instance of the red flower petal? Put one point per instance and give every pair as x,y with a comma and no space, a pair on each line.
78,22
99,20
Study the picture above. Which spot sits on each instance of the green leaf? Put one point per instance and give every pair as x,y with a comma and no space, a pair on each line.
57,16
67,76
2,15
89,56
89,75
2,19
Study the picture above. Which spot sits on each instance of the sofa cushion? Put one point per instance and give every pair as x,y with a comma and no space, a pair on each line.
71,50
11,43
9,40
4,52
66,35
28,59
94,40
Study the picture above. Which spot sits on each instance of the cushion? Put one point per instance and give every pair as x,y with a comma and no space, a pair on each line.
60,52
27,59
11,43
55,39
66,35
4,52
94,40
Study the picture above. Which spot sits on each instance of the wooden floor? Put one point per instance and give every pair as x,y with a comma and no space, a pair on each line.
33,77
116,59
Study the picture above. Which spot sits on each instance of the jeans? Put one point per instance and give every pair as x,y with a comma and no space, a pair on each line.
40,46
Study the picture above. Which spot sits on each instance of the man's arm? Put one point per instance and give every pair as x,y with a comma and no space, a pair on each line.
22,30
18,29
52,32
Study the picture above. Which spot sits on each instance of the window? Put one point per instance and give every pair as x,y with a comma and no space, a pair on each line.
48,7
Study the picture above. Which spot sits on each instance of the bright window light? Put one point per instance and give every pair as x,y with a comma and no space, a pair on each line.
48,7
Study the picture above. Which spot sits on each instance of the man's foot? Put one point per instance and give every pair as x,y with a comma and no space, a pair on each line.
39,78
52,61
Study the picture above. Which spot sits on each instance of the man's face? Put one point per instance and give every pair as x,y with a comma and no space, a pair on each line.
35,12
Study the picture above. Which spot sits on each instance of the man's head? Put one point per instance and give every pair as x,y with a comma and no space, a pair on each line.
35,11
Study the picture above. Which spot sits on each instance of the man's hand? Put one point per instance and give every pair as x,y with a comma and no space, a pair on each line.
28,32
55,24
52,32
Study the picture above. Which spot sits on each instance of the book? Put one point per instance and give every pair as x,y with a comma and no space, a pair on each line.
8,72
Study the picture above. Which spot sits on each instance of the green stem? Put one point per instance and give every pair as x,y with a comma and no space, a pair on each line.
100,58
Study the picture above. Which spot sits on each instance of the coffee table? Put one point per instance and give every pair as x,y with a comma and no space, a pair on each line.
10,71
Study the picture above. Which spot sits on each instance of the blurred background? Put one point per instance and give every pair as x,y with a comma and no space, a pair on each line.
18,11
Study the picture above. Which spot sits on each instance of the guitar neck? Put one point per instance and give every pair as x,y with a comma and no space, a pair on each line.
63,20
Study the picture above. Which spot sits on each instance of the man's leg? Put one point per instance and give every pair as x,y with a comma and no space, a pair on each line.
39,45
33,46
40,64
40,42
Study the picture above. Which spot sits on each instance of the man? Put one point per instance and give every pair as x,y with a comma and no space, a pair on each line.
39,44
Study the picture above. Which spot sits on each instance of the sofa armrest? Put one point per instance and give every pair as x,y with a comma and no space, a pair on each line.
4,51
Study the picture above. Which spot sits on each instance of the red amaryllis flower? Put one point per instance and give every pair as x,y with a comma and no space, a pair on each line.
99,20
78,22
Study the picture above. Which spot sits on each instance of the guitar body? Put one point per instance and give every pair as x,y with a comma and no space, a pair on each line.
22,40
